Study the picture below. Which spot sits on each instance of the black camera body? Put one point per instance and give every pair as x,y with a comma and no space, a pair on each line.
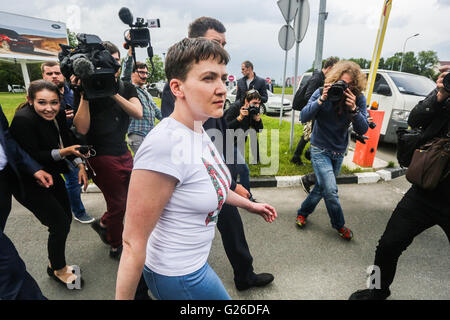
91,63
253,110
336,91
446,82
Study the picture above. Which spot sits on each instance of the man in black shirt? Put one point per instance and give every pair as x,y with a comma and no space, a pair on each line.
250,81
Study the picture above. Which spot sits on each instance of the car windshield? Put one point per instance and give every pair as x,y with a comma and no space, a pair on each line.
9,33
412,84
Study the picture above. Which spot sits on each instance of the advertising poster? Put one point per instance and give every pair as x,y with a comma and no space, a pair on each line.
29,38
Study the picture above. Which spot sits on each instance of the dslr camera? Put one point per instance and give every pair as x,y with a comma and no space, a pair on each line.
92,63
336,91
253,110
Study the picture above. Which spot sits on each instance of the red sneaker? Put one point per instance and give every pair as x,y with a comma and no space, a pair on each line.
345,233
301,221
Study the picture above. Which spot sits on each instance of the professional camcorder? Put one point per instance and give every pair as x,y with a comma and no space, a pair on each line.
139,34
92,64
336,91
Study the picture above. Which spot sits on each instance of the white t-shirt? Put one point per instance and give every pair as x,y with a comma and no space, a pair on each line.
181,240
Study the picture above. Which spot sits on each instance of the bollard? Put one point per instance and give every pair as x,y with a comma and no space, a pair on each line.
365,153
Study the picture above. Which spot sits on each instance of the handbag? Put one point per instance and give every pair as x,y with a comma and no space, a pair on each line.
408,140
430,163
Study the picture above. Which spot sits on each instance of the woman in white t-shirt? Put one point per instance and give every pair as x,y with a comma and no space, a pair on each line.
179,184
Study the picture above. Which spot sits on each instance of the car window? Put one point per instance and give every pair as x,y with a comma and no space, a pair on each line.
379,79
412,84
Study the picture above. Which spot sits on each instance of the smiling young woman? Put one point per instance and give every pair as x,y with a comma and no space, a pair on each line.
41,130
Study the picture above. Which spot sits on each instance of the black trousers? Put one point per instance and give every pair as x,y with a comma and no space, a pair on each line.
15,282
413,215
233,238
300,146
50,206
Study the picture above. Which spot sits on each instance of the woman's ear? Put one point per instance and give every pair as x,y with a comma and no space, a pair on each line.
176,86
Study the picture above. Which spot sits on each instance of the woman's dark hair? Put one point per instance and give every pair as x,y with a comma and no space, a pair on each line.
37,86
182,56
252,95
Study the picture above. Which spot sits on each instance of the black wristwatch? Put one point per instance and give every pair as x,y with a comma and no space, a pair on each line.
321,100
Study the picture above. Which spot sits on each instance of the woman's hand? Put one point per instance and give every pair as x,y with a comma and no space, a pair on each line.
264,210
82,176
324,95
71,150
243,112
350,100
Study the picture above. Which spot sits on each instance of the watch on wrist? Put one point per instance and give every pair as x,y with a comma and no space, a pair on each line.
321,100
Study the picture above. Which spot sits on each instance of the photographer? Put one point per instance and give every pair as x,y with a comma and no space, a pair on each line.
419,209
333,108
244,117
105,122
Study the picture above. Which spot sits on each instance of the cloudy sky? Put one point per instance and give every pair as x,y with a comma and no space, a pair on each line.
253,26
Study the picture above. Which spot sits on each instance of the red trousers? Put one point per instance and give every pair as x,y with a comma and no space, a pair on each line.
112,176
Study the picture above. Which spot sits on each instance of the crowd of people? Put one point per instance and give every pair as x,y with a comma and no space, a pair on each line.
167,186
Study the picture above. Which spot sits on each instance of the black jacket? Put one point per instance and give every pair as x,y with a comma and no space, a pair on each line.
316,81
434,118
231,117
38,137
18,160
257,84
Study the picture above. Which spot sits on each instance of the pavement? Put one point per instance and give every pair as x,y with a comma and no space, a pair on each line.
308,264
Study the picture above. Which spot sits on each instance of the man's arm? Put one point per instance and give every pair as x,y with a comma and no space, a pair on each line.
82,119
263,90
313,84
132,107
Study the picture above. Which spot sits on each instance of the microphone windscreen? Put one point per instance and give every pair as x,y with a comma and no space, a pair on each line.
126,16
83,68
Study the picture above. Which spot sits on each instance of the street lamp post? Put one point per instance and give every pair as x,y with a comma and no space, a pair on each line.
403,53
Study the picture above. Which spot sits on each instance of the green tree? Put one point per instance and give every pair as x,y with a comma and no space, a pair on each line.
426,60
363,63
158,73
72,36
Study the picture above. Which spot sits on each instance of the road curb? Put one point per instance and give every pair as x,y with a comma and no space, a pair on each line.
294,181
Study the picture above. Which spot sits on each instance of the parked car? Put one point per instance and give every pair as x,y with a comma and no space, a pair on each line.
156,88
396,94
15,88
273,104
11,40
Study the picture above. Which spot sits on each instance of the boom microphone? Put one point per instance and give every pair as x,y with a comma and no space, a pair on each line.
83,68
126,16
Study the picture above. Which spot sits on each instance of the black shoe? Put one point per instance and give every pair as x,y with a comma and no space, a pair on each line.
370,294
260,280
116,254
297,161
306,185
100,230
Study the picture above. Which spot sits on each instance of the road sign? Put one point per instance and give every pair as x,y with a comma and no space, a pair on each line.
230,78
286,37
301,20
288,9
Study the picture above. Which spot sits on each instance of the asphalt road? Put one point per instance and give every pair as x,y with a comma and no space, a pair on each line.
311,263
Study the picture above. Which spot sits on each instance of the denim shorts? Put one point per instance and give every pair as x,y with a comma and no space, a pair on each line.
203,284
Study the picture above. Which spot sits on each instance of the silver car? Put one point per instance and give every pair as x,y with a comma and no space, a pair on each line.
273,104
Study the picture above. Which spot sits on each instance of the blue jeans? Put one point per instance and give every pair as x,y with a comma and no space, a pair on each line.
239,167
326,165
203,284
74,192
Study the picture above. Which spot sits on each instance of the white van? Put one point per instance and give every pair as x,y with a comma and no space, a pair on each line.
15,88
397,93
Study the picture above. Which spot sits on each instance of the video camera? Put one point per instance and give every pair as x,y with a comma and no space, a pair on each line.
92,63
139,33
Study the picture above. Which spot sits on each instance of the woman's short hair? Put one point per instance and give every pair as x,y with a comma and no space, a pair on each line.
353,69
182,55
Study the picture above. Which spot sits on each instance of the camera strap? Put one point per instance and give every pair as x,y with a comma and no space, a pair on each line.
61,144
